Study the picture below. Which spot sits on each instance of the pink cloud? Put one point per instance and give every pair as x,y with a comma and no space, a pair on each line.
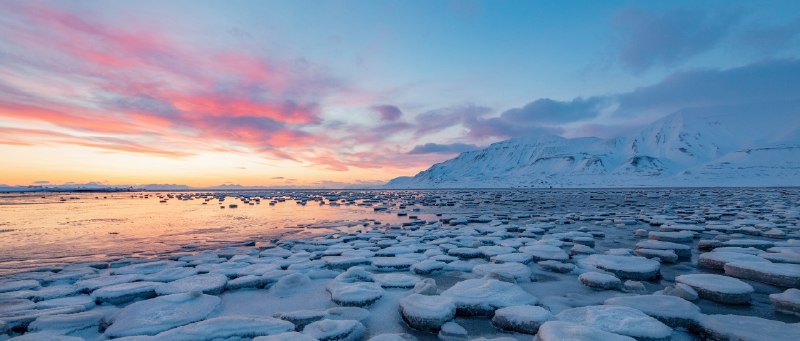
139,87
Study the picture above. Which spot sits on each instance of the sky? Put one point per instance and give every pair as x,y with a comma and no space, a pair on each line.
342,93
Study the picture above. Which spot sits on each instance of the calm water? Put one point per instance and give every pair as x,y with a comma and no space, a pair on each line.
42,230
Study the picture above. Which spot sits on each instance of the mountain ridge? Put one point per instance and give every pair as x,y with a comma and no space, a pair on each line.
754,144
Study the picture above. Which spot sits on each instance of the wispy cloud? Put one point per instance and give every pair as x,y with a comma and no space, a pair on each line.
388,112
650,39
140,88
436,148
606,115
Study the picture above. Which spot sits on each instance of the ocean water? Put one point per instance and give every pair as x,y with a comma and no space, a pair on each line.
50,229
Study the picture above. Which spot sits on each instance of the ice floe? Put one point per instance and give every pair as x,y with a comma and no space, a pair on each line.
621,320
745,328
150,317
787,302
425,312
484,296
569,331
598,280
207,283
670,310
626,267
778,274
524,319
718,288
336,330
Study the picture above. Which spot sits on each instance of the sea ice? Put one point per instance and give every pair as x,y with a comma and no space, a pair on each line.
670,310
21,318
580,249
427,313
212,284
396,280
483,296
598,280
344,262
150,317
357,294
301,318
781,257
427,267
223,328
618,319
524,319
778,274
389,264
556,266
717,259
229,269
787,302
683,251
664,256
336,330
674,237
516,257
452,331
288,336
290,284
125,292
745,328
568,331
426,286
626,267
49,336
680,290
68,323
278,252
718,288
630,286
349,313
16,304
249,281
355,274
170,274
516,271
91,284
465,252
759,244
541,252
393,337
54,291
147,268
495,250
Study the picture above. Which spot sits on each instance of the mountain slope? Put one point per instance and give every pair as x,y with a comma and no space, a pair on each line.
744,145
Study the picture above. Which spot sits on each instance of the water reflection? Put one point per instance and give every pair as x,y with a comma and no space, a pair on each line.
50,229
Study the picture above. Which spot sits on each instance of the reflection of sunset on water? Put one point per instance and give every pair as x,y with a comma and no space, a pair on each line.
40,229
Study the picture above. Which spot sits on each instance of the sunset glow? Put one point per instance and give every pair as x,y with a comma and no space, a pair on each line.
308,93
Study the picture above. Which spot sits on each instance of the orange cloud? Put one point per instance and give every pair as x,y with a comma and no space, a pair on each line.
141,89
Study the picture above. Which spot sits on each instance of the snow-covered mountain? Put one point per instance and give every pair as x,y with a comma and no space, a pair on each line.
743,145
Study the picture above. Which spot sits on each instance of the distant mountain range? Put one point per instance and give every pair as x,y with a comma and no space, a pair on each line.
743,145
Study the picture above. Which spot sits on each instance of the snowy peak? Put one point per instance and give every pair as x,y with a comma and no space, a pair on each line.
744,145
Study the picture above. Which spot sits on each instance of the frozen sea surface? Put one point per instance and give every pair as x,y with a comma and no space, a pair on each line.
405,265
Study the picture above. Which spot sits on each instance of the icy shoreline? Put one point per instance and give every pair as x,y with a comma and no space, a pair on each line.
591,264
